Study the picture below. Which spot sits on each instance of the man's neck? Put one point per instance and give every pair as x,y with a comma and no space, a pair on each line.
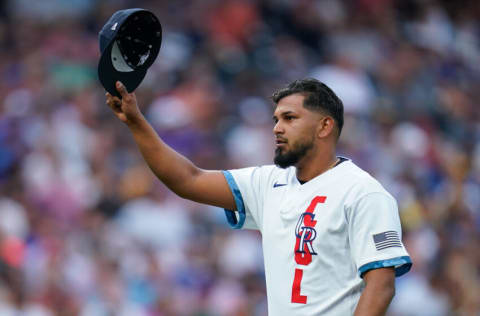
308,169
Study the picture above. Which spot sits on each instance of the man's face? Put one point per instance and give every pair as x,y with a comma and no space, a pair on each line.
294,130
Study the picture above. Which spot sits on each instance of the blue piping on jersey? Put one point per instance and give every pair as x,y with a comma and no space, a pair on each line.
402,265
231,216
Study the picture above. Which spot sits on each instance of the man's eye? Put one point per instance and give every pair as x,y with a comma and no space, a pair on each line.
289,118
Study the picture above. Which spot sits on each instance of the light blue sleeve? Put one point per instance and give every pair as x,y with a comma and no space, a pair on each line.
232,219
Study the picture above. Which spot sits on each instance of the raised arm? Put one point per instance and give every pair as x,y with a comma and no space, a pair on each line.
177,172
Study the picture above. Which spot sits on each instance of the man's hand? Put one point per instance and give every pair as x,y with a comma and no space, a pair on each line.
125,109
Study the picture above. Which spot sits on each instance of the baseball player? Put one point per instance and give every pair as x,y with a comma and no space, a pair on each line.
331,233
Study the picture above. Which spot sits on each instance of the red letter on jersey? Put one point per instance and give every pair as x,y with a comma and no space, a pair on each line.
296,296
305,233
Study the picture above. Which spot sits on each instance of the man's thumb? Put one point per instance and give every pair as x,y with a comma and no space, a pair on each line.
121,89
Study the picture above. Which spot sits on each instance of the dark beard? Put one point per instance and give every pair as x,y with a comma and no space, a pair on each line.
290,158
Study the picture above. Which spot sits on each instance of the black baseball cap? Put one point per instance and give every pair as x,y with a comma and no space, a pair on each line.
129,44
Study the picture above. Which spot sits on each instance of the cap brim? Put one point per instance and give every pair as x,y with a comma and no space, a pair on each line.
108,75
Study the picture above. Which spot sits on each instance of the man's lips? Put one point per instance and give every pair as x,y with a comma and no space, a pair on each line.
280,142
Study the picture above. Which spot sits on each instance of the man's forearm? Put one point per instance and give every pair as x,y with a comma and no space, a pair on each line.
374,303
173,169
377,294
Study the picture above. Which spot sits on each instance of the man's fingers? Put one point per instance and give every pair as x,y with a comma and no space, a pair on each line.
113,102
121,89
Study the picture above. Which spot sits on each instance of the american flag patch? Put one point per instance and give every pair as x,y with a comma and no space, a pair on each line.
386,240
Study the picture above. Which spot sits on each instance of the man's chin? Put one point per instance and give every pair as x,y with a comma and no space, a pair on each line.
286,158
283,161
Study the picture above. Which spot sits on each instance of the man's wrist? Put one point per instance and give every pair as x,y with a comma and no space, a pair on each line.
136,122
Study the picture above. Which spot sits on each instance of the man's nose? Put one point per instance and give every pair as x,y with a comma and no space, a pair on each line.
277,128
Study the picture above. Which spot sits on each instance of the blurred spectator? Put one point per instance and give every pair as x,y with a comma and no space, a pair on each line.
87,230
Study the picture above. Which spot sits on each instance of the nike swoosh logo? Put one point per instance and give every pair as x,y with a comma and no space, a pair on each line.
276,185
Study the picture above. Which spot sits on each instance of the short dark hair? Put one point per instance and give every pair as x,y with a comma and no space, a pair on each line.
318,96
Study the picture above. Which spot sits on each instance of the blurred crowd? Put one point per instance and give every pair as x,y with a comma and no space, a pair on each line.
85,228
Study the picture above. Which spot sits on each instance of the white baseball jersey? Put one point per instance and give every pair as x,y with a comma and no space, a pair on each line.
320,237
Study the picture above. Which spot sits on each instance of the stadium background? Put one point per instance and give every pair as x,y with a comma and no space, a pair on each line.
86,230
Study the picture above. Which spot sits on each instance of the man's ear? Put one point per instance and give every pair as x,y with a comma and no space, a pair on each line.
326,127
